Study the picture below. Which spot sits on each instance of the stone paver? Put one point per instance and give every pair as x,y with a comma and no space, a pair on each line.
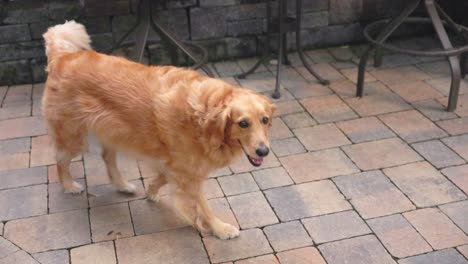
16,111
395,75
365,129
14,161
398,236
272,178
279,129
459,176
457,212
299,120
434,110
415,91
287,146
438,154
380,154
102,253
412,126
252,210
110,222
436,228
250,243
149,217
335,226
301,256
321,137
1,228
318,165
6,248
459,144
23,202
287,236
287,108
22,127
443,85
305,200
107,194
327,109
424,185
237,184
463,250
362,250
53,257
265,259
48,232
446,256
42,151
456,126
372,194
19,257
16,145
22,177
376,104
59,201
303,89
172,247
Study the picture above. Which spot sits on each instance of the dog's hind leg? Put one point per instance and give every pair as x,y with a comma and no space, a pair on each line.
68,145
110,159
64,158
154,187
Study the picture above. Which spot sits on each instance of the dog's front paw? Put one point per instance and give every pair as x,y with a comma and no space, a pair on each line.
74,187
153,197
127,188
226,231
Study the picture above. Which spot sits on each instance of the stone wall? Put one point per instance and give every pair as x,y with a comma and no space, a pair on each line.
227,28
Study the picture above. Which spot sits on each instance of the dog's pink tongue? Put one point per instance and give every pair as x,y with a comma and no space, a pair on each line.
258,161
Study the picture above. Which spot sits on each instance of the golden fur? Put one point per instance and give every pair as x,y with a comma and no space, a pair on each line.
186,124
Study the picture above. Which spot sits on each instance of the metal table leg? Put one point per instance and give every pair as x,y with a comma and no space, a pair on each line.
454,62
282,44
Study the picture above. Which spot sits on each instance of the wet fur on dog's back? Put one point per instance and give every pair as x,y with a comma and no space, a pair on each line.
184,123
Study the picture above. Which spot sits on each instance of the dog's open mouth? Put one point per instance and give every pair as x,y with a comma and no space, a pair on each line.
254,161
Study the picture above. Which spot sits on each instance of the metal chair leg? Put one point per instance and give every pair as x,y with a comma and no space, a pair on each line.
460,33
398,20
362,71
464,64
454,62
300,52
378,57
277,94
142,31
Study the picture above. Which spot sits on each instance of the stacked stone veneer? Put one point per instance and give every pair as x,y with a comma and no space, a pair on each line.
227,28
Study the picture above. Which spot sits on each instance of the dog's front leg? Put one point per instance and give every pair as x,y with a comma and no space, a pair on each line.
192,205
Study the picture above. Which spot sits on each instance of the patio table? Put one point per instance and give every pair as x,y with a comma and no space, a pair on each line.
146,21
283,24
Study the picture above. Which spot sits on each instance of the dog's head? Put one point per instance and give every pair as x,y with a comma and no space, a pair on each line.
244,121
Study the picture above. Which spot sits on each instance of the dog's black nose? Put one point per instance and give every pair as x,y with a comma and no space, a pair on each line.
262,150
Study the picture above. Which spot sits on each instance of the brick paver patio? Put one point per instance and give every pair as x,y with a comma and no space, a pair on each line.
382,179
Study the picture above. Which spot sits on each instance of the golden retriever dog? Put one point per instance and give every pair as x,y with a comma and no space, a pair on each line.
187,125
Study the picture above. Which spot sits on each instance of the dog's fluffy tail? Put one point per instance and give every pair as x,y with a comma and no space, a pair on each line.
66,38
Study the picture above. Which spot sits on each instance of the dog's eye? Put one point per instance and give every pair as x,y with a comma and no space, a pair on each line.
265,120
244,124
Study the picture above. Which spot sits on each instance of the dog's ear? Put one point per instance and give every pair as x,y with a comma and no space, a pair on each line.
217,125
